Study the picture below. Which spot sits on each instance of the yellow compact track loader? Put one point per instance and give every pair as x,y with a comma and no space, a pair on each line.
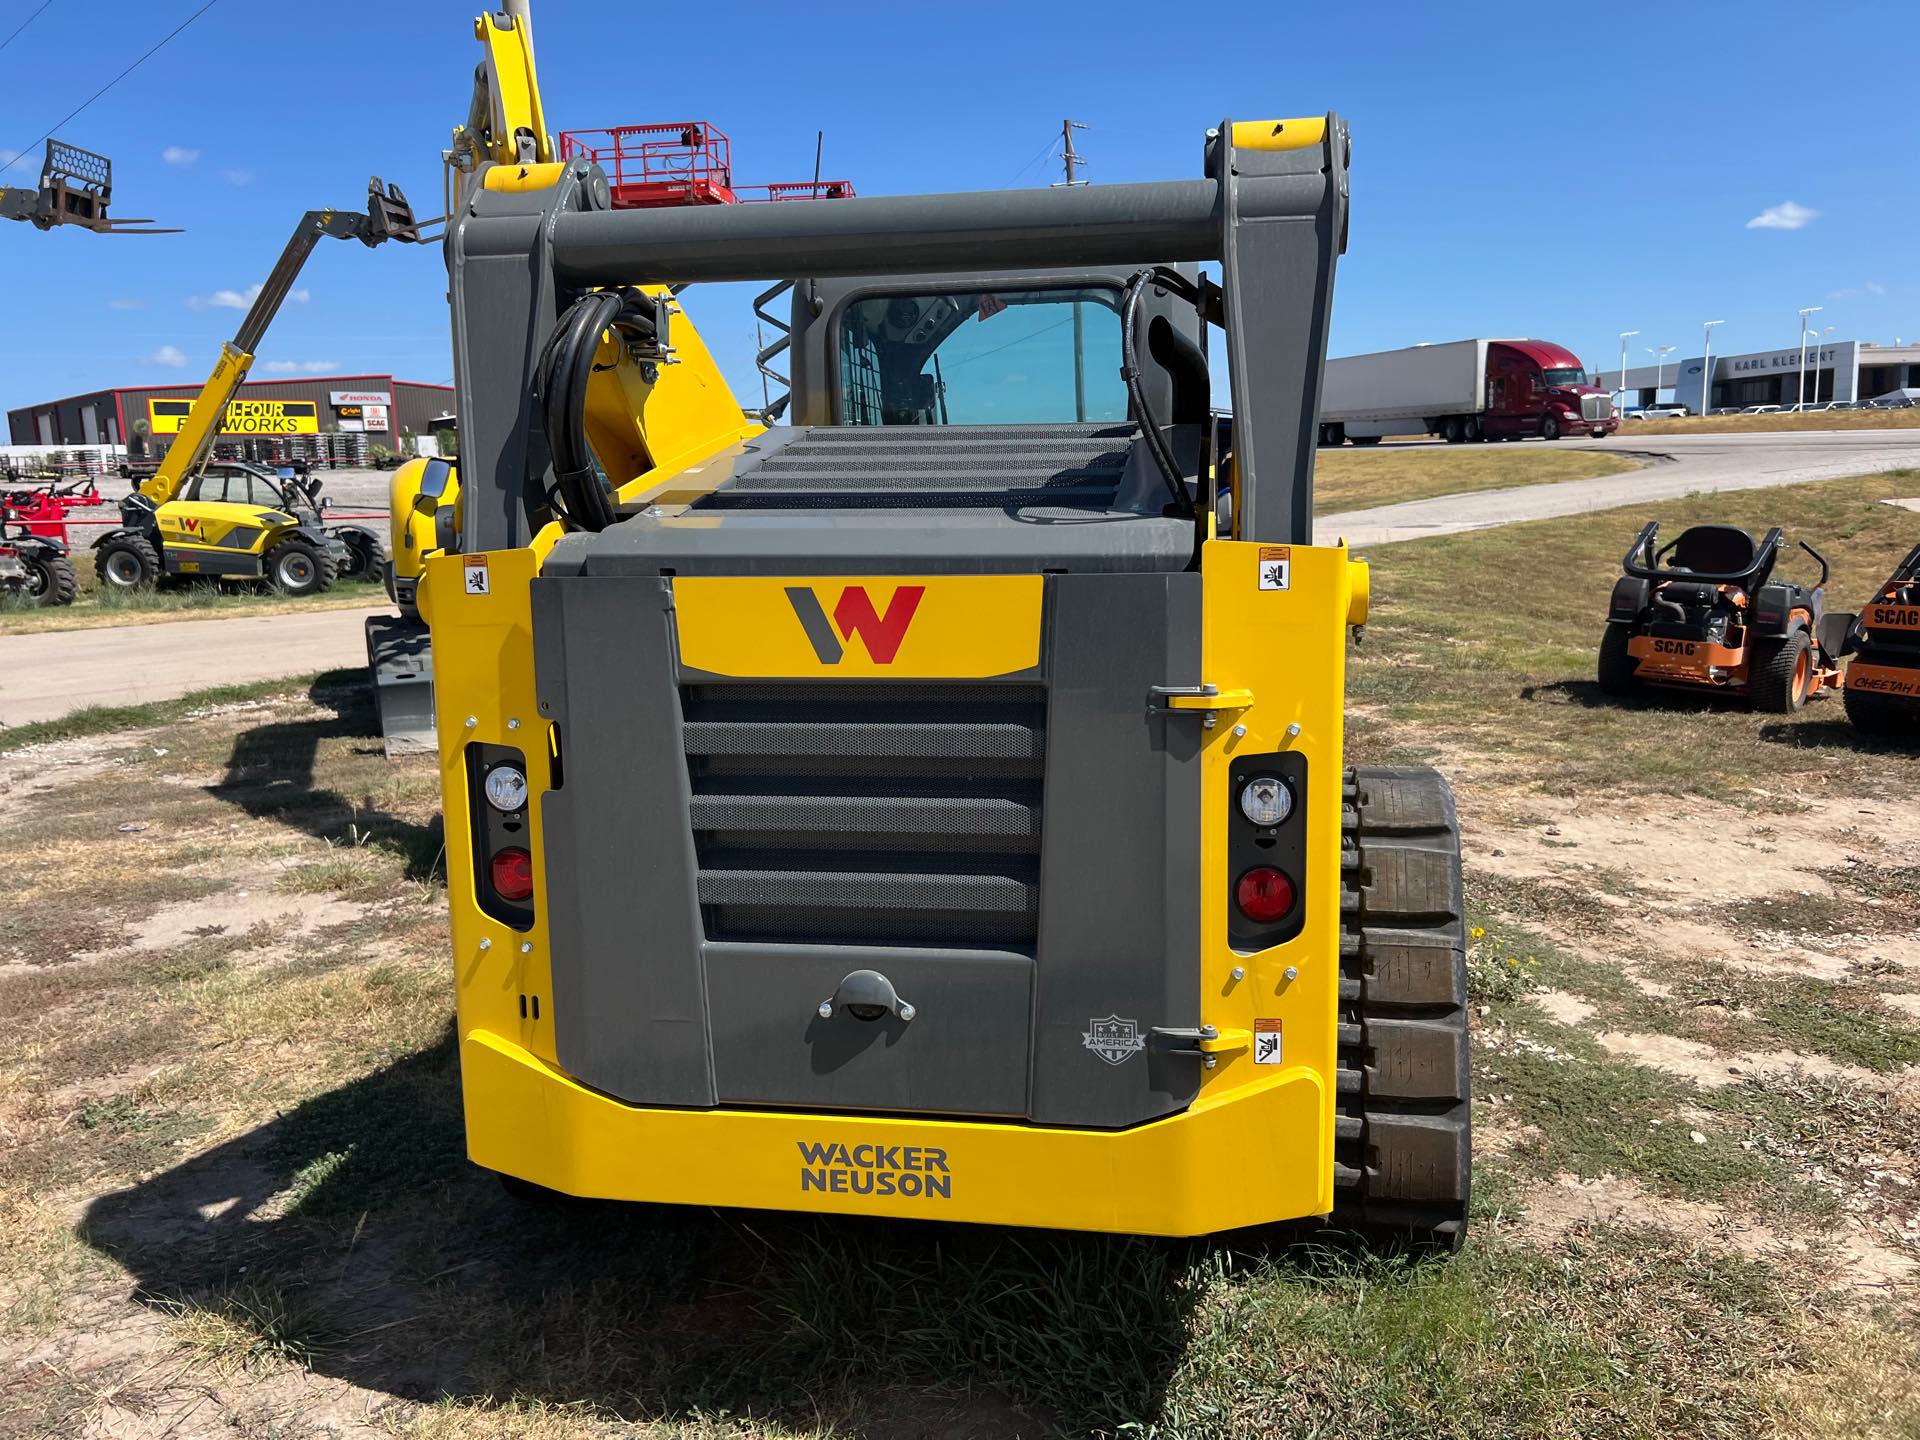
423,500
935,807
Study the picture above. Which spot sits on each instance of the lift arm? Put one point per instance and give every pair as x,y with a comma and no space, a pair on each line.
388,217
506,122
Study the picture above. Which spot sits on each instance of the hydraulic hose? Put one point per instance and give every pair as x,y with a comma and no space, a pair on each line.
1130,368
560,380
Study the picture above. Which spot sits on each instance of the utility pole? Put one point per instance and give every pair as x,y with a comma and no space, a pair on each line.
1625,335
1073,159
1068,153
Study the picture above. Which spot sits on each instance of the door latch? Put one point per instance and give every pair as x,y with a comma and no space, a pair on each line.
1207,1043
1204,700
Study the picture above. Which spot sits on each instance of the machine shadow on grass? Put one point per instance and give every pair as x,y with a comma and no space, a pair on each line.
1589,696
351,1235
271,776
1833,731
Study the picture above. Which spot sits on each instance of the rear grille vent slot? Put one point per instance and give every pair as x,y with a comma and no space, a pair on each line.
868,813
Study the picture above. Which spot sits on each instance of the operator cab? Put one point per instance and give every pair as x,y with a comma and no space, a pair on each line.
978,421
244,482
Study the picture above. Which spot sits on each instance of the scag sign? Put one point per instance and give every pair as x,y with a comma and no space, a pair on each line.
243,417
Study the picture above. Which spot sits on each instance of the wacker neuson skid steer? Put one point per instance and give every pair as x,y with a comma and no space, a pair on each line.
935,807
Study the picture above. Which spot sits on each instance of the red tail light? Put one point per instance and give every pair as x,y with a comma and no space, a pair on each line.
512,872
1264,894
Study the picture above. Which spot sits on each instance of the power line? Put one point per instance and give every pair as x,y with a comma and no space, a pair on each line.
158,46
1043,155
23,25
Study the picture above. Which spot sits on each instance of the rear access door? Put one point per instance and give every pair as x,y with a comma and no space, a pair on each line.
912,843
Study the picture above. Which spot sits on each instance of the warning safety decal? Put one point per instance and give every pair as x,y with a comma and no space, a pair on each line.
1266,1042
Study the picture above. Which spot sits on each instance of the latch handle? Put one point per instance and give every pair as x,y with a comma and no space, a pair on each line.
1207,1040
1203,698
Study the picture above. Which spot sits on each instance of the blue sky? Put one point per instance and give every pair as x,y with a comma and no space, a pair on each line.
1557,172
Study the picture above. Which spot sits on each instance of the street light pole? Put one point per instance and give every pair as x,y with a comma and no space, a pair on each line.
1810,310
1706,367
1625,335
1659,368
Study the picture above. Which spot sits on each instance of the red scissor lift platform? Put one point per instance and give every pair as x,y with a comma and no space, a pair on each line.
685,163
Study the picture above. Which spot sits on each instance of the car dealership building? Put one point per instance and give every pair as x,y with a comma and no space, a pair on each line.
1835,370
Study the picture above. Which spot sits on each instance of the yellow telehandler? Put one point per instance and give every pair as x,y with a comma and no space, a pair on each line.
935,807
234,520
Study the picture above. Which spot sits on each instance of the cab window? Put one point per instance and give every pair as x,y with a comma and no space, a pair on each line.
989,357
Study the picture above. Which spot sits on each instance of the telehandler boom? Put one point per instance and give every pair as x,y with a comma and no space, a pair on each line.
935,807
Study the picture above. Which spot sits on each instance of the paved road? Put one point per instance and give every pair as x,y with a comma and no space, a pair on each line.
1674,465
47,675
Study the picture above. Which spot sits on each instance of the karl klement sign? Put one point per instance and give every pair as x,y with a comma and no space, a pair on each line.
243,417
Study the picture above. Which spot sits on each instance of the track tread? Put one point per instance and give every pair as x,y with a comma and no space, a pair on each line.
1405,1086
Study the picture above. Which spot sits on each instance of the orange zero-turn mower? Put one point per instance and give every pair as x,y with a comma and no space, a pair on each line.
1883,678
1703,612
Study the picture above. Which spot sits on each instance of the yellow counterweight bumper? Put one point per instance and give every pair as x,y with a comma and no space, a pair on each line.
1255,1154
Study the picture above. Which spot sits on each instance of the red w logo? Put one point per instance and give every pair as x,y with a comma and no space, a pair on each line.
854,614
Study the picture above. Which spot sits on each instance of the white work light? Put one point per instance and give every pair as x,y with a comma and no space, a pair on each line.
1266,801
506,788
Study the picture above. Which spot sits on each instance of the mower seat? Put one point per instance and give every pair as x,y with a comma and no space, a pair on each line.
1713,550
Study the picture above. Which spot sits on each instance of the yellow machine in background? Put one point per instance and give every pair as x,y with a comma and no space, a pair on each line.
423,500
239,521
936,807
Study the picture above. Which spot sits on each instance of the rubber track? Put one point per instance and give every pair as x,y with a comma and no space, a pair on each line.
1403,1129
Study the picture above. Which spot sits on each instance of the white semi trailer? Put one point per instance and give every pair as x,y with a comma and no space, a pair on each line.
1463,390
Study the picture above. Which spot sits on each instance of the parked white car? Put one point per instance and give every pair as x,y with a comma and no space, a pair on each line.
1666,412
1761,410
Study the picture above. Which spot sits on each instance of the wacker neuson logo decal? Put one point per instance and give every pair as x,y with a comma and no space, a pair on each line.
912,1170
854,614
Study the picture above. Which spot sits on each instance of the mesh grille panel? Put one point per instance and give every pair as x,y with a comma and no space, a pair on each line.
868,813
963,466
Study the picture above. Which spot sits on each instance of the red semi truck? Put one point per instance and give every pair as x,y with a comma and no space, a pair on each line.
1463,390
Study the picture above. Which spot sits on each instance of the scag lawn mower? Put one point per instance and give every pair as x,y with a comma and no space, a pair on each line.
1704,612
1883,679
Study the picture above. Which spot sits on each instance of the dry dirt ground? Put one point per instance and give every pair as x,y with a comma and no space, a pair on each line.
233,1199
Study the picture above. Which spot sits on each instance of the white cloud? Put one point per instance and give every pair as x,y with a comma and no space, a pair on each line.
168,356
238,299
1787,215
1856,292
126,302
237,177
294,367
179,155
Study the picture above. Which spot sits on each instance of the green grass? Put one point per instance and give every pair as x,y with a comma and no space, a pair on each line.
1361,479
110,719
262,1136
1486,643
98,606
1763,424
